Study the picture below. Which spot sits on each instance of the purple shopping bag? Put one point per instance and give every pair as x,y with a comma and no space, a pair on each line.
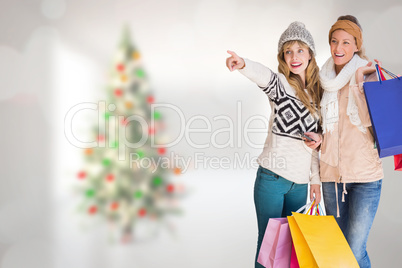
277,244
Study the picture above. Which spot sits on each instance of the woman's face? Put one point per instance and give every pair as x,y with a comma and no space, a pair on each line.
343,47
297,58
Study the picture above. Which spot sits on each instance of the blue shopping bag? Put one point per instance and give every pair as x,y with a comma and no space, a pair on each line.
384,102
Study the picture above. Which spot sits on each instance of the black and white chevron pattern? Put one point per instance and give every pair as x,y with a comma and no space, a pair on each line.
291,116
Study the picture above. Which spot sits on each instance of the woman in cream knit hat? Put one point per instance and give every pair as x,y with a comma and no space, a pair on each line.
286,165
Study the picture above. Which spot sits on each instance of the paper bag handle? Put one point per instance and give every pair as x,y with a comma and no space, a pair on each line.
381,76
310,205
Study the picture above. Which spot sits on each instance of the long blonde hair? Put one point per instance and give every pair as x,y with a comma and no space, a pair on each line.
312,85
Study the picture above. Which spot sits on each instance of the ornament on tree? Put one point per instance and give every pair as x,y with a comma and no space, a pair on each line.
129,105
150,99
170,188
123,78
140,154
177,171
106,162
110,177
157,181
138,194
124,121
142,212
157,115
114,144
140,73
114,206
81,175
92,210
120,67
118,92
136,55
161,151
90,193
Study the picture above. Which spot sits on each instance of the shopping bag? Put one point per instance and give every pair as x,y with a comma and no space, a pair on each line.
293,258
384,102
276,245
398,162
298,239
319,242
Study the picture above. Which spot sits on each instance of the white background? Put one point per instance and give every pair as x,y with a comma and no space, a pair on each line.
56,54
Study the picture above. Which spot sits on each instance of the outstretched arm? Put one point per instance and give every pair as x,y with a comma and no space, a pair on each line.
256,72
234,62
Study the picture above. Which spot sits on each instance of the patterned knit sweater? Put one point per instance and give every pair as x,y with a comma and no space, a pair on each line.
284,151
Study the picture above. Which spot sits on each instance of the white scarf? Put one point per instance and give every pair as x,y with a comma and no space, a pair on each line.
332,83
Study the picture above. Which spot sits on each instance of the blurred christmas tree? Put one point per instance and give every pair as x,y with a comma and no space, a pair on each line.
113,188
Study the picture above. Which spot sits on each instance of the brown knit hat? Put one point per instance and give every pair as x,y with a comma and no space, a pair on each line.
349,27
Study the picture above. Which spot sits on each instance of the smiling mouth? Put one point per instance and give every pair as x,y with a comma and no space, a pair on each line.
339,55
296,65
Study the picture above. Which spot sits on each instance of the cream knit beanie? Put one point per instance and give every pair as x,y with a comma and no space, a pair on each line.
296,31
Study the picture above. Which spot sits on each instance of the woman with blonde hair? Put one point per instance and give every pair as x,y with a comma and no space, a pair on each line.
294,95
350,168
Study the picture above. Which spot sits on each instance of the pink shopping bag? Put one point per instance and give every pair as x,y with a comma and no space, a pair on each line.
277,244
294,263
398,162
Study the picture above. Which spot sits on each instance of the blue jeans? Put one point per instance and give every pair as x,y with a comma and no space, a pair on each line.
275,197
356,213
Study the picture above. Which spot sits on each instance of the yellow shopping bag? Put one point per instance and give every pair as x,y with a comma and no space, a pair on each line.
319,242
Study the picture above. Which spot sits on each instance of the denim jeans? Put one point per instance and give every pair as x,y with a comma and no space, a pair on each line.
356,213
275,197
